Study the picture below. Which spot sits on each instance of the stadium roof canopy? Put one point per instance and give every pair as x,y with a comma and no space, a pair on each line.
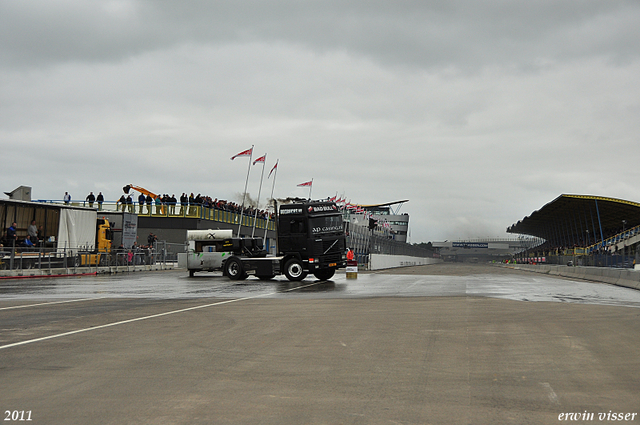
575,219
384,205
378,207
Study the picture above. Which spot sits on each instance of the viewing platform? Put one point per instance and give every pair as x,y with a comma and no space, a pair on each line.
175,211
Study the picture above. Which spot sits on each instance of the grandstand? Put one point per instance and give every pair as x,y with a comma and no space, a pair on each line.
584,230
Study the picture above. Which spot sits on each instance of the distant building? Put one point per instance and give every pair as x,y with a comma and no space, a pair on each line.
482,250
397,224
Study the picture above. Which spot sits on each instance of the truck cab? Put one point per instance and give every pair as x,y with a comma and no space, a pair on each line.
311,239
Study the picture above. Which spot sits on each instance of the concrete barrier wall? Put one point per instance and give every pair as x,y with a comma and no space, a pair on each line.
384,261
628,278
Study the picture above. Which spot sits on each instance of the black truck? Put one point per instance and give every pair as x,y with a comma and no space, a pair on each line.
311,239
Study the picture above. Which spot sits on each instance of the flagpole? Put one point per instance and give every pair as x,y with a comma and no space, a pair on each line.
255,216
310,187
273,185
245,190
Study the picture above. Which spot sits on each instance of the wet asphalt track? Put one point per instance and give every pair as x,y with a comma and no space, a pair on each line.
445,344
461,280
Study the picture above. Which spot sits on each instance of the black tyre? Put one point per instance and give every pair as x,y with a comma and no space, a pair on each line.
324,274
294,271
234,270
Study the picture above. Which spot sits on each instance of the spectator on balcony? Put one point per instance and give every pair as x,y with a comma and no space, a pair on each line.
141,200
184,200
192,203
91,198
123,202
130,204
100,200
172,204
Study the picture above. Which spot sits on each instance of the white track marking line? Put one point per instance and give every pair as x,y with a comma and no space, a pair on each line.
137,319
50,303
553,397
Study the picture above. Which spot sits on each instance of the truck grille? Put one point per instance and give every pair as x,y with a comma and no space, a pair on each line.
335,252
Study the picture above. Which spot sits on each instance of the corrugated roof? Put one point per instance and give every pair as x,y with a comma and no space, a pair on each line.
570,216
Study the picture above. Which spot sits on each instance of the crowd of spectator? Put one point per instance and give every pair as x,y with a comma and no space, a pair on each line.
185,205
33,238
170,205
611,238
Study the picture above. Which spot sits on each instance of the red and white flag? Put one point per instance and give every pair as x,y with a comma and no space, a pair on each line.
261,159
332,199
307,184
248,152
273,169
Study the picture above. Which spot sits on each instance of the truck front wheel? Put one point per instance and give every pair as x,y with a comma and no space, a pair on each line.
233,269
294,271
324,274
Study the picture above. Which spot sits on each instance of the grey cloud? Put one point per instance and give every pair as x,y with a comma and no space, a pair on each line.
425,34
478,112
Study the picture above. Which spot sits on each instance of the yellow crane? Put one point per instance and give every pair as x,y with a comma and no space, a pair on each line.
142,190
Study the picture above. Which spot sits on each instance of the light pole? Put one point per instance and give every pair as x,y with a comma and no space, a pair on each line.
588,257
624,247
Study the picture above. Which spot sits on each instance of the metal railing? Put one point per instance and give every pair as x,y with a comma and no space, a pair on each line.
175,210
363,243
613,240
162,254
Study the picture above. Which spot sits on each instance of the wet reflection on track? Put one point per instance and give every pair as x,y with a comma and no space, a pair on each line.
177,285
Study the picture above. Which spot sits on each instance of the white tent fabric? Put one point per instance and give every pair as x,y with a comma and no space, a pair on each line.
77,230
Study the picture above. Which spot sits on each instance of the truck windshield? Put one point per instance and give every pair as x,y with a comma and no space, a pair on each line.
326,224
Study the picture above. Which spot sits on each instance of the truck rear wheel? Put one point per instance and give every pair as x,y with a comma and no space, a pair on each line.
234,270
294,271
324,274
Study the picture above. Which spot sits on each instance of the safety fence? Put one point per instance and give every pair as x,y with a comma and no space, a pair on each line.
618,251
162,254
361,240
596,260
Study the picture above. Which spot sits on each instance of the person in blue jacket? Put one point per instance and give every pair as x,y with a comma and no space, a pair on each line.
11,234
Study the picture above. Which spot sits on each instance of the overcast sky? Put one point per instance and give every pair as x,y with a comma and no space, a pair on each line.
477,112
